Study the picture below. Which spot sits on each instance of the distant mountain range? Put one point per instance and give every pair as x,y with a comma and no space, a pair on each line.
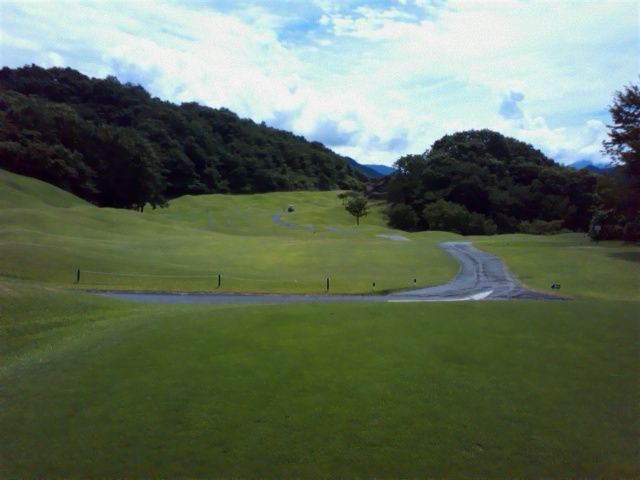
371,170
593,167
381,169
377,171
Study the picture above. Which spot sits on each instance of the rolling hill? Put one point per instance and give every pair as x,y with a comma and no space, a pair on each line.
115,145
47,234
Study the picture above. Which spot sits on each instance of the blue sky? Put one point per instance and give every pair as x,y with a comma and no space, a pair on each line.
371,79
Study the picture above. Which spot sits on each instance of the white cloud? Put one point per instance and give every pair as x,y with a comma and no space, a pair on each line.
374,79
565,144
55,59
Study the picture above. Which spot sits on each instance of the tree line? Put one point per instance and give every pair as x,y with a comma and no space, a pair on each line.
481,182
115,145
617,213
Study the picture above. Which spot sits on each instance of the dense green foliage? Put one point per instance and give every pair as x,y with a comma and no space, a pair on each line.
449,216
480,182
618,213
115,145
624,134
402,216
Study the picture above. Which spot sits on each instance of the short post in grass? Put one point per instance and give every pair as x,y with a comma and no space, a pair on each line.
415,281
327,284
219,280
373,287
78,275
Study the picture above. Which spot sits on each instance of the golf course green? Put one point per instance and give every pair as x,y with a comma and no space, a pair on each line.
92,387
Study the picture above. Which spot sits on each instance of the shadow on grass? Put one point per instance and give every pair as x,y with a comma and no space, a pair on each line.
627,256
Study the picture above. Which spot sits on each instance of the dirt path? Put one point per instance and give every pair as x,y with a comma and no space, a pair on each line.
482,276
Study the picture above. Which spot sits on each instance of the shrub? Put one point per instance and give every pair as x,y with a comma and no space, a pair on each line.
631,230
402,216
481,225
452,217
606,225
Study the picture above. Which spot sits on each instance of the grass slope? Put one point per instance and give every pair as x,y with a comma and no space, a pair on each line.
185,246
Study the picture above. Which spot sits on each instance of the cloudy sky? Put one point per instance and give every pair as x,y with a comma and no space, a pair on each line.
370,79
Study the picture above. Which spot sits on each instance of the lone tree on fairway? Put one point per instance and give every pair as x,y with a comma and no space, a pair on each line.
358,206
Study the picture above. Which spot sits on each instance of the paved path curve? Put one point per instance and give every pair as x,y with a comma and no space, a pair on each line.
482,276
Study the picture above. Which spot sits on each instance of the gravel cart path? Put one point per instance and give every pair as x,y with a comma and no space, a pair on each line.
482,276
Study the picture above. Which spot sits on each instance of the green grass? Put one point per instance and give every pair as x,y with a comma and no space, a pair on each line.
97,388
251,214
584,269
493,389
185,246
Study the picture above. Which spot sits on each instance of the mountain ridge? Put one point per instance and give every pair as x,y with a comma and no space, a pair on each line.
596,167
381,169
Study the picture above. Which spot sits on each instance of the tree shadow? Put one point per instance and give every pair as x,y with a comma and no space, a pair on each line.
627,256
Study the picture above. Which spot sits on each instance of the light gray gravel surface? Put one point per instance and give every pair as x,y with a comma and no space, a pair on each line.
400,238
482,276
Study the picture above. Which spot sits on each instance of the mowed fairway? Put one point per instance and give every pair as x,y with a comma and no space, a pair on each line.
496,389
97,388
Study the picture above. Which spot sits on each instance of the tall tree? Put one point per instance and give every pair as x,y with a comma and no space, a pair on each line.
619,215
624,134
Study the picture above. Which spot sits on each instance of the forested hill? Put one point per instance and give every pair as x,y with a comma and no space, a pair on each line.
481,182
115,145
